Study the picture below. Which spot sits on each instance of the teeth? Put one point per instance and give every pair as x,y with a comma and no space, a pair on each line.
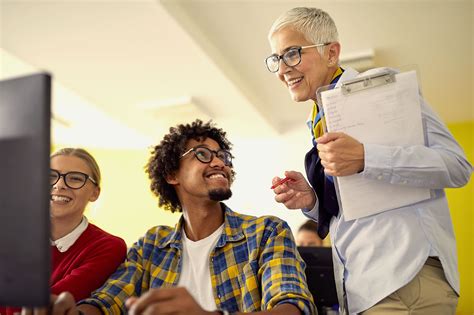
60,198
294,81
216,176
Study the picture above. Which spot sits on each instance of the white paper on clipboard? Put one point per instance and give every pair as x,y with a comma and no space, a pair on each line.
381,109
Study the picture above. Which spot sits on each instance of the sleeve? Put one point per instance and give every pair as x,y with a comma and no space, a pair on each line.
282,272
125,282
438,164
313,213
101,261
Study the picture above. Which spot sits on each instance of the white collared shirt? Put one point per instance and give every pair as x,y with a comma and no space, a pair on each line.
65,242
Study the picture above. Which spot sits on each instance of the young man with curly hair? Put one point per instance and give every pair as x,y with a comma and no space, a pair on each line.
214,261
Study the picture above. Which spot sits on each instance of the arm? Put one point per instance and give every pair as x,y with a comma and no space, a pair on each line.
124,283
100,261
178,300
281,270
438,164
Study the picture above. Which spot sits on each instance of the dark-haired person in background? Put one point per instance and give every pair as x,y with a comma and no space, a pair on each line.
83,255
396,262
307,235
214,261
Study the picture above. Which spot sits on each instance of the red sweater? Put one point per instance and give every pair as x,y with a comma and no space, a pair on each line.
86,265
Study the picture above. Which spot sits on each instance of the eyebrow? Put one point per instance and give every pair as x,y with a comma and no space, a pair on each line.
286,49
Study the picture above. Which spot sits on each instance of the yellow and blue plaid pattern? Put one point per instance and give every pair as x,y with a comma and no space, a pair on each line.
254,266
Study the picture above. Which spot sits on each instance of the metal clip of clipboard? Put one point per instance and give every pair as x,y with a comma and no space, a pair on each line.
360,84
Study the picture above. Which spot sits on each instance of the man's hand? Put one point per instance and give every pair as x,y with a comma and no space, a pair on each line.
60,304
165,301
340,154
295,193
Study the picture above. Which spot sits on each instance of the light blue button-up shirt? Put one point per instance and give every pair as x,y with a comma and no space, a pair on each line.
376,255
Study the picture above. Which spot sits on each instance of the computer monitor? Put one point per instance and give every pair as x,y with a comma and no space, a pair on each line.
320,276
25,115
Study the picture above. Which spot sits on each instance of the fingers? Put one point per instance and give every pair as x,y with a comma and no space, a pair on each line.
130,301
329,136
64,304
165,301
35,311
26,311
146,301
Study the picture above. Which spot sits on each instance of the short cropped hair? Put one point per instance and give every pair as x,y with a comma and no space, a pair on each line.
309,225
86,157
165,158
316,25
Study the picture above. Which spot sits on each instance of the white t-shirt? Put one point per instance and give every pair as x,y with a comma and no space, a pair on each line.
195,273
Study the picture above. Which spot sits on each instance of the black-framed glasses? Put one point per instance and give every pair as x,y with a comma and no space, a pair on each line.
291,57
205,155
73,180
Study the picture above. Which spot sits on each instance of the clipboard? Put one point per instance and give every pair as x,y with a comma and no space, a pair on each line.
381,108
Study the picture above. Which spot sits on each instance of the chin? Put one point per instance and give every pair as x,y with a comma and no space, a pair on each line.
220,194
299,97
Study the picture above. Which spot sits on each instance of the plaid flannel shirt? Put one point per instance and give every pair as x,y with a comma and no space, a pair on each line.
254,266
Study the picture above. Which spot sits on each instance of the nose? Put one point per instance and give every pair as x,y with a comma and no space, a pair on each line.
60,183
215,161
282,68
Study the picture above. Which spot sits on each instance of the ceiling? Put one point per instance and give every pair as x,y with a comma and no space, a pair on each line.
141,66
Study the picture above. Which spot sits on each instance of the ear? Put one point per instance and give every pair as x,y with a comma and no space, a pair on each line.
333,54
95,194
171,179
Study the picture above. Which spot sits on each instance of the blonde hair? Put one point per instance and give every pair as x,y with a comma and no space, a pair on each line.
316,25
85,156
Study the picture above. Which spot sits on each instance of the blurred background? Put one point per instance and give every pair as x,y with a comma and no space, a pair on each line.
125,71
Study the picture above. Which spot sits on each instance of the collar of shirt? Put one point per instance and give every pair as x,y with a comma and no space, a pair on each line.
65,242
232,231
314,115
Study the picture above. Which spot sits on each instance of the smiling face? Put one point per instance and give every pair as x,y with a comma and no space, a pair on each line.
196,181
312,72
66,203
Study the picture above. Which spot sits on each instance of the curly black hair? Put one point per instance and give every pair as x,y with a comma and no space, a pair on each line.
165,158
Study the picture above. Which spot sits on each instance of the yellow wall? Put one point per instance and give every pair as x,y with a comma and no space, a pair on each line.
461,203
126,206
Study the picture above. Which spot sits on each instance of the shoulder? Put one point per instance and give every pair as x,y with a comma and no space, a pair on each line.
262,224
156,236
98,235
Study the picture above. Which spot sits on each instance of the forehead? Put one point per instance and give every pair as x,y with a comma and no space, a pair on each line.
208,142
285,38
68,163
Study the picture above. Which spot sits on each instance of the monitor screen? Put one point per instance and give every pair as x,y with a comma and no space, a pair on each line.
320,275
25,117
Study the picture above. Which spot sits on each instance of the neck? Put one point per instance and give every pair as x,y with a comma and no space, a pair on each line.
202,221
62,227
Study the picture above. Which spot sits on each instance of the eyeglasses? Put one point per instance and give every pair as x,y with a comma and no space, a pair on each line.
205,155
73,180
291,58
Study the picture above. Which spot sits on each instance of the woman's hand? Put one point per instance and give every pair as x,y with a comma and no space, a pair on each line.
295,193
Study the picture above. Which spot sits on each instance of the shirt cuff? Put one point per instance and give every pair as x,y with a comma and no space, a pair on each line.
314,212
